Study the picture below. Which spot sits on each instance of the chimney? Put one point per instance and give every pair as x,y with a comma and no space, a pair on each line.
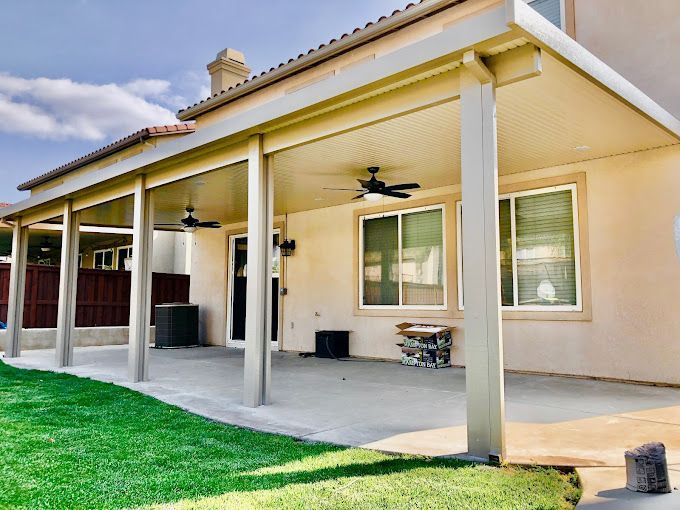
227,70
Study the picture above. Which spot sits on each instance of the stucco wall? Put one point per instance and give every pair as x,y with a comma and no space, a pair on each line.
635,276
84,337
638,38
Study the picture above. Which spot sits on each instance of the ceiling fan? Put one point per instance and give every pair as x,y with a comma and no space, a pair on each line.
190,224
373,189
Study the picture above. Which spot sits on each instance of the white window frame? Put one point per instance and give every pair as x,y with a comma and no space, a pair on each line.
118,250
399,213
578,307
94,258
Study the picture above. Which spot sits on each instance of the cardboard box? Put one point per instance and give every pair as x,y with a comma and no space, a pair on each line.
426,358
425,336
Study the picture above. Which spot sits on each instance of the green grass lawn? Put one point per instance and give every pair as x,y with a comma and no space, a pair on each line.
73,443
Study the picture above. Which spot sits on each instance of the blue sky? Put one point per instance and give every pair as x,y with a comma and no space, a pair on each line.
78,74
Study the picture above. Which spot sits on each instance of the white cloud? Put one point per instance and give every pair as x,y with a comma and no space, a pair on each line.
63,109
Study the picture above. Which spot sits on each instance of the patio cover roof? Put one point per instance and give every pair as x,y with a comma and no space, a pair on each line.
371,112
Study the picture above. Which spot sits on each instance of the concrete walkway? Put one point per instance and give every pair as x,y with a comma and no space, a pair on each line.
551,420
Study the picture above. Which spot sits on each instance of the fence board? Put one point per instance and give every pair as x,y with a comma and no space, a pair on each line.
103,297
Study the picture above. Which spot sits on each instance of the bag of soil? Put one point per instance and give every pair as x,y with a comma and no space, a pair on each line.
647,469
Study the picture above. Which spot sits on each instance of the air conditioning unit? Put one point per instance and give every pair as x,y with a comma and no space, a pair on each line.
176,325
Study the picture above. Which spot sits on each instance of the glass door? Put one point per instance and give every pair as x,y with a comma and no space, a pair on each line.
238,279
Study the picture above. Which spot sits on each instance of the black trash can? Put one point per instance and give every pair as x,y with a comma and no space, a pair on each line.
332,344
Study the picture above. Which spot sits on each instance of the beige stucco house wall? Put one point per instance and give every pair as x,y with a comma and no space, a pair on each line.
631,331
640,40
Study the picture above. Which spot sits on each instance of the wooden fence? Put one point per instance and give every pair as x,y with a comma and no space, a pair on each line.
103,297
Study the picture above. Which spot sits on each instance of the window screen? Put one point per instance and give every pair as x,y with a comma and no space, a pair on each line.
381,261
546,265
422,258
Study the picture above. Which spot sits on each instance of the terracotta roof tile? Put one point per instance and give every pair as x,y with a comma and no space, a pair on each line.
331,42
107,150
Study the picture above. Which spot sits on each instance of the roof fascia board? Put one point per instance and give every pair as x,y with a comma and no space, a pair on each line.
452,41
98,155
317,56
549,38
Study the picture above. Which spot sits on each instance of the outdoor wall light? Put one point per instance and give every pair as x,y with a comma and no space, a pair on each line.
287,247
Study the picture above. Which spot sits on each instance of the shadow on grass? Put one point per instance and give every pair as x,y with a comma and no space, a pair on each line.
70,442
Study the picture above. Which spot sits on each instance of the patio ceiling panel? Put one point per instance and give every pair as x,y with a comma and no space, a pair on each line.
553,119
217,195
561,117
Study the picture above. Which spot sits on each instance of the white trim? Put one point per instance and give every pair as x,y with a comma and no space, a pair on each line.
241,343
399,213
578,307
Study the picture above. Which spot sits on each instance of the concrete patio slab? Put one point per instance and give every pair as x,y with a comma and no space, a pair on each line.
550,420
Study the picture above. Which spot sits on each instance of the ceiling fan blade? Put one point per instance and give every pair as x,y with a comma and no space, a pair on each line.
364,183
394,194
410,185
359,196
168,224
342,189
208,224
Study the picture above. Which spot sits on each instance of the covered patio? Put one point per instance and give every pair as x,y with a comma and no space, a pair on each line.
381,405
501,94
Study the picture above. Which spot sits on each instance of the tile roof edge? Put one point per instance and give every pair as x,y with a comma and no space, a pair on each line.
385,25
107,150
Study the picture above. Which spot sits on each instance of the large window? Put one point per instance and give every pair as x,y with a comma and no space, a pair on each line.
402,259
539,250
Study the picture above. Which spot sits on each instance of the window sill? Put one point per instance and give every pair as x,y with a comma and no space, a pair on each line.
584,316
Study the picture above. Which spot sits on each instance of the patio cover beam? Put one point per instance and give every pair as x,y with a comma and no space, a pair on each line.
140,288
257,365
17,287
68,284
481,275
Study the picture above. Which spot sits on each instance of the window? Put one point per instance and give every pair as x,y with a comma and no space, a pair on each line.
124,252
539,250
552,10
103,259
401,259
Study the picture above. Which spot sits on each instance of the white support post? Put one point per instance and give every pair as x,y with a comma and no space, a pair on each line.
68,284
257,364
17,289
140,288
481,273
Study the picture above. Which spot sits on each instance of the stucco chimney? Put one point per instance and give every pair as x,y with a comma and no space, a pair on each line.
227,70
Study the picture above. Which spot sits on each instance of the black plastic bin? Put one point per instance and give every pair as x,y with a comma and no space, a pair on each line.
332,344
